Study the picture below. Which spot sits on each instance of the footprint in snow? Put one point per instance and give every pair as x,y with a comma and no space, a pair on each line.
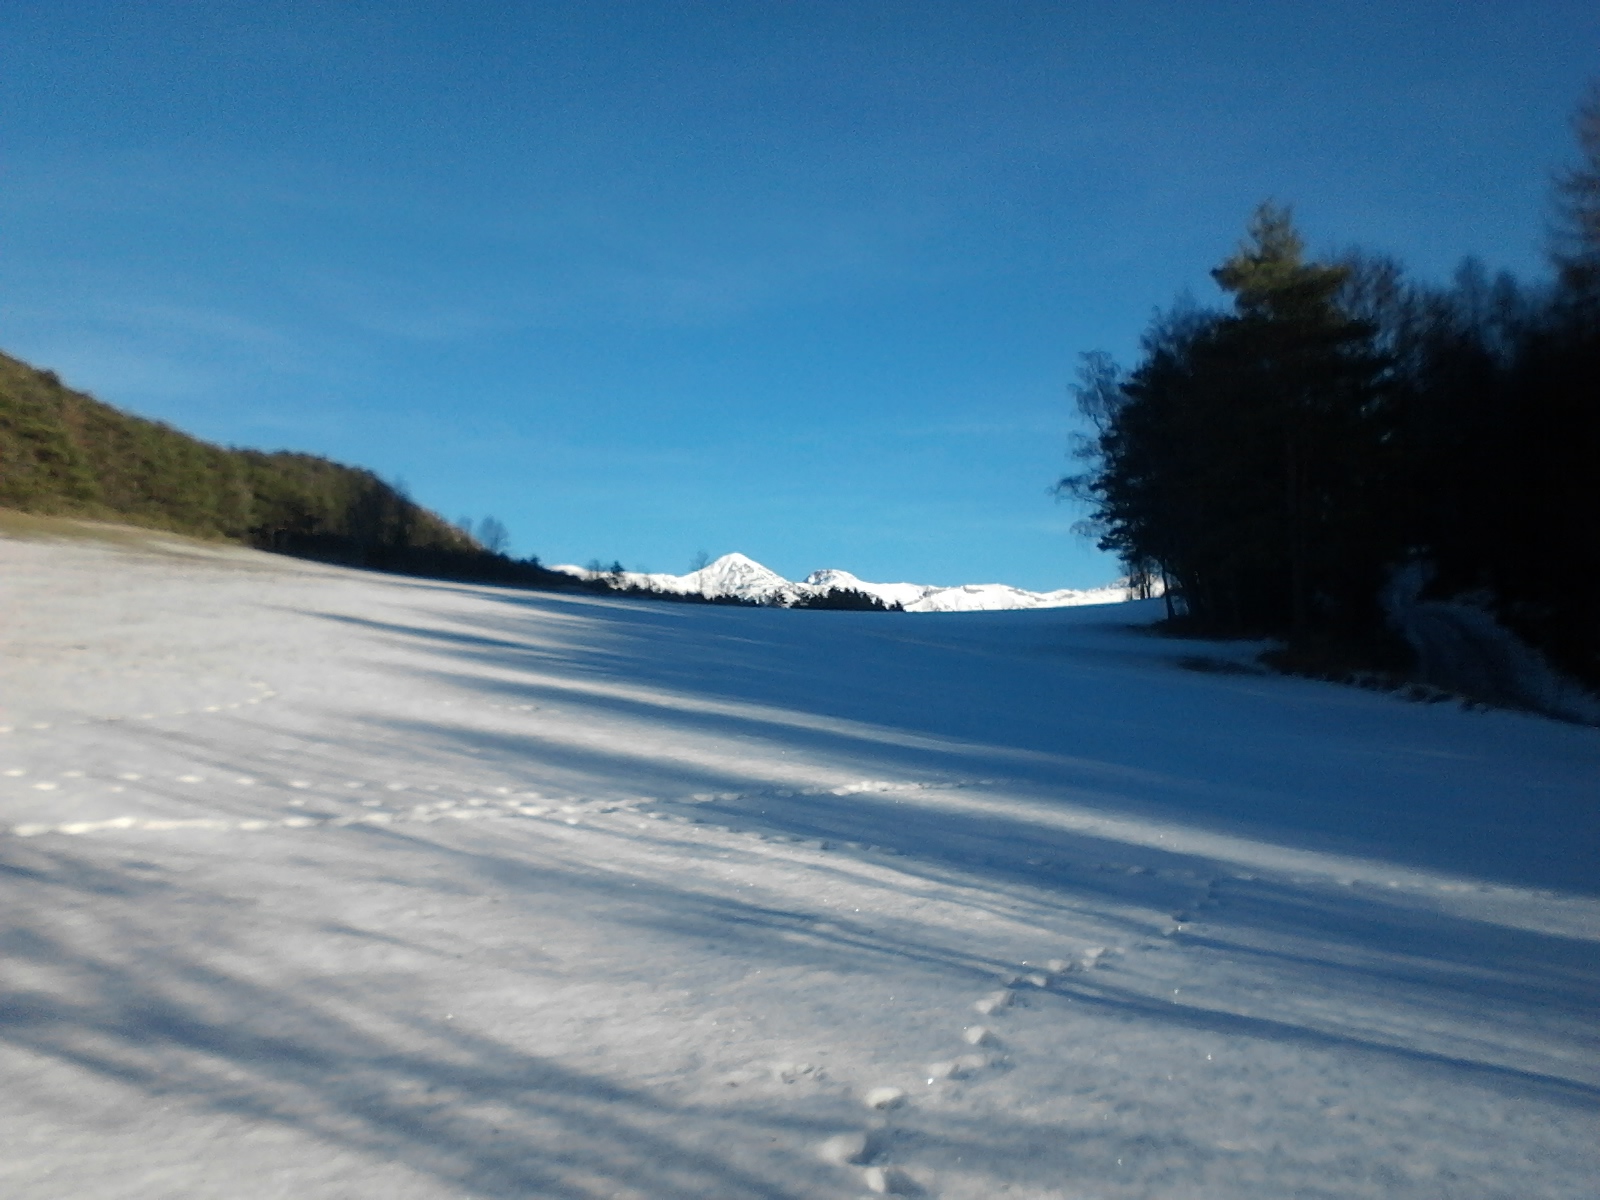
964,1067
994,1002
786,1072
883,1099
890,1181
848,1149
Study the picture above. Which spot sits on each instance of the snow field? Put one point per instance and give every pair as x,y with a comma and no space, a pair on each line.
529,895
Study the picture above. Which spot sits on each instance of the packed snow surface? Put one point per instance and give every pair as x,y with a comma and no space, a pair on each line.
321,884
737,575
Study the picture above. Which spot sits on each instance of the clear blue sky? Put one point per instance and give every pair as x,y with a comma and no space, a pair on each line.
802,279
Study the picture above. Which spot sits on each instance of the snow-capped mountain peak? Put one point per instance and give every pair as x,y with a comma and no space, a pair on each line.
737,575
832,577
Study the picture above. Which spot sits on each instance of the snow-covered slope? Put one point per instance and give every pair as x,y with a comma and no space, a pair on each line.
321,884
737,575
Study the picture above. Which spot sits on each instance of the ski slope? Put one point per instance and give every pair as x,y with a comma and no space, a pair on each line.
321,884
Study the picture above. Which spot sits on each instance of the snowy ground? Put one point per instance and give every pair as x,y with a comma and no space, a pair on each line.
322,884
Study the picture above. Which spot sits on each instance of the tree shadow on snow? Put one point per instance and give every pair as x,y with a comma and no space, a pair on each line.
1289,762
352,1067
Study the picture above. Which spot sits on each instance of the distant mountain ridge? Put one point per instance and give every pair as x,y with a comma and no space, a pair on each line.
739,576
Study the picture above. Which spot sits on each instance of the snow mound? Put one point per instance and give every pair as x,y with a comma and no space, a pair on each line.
739,576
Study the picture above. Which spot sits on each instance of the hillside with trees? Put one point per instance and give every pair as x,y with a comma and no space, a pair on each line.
1343,442
63,452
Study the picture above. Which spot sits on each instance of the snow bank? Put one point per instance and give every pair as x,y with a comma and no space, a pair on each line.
1460,646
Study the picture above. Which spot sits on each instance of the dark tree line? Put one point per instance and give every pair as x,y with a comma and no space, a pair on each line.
1276,463
847,599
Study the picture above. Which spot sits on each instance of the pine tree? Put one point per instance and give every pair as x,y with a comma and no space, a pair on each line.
1576,244
1238,458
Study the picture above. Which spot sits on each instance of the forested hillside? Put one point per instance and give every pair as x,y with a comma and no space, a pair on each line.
1343,443
64,452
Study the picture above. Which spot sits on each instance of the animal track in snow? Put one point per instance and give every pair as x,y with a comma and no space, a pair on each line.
787,1072
847,1149
994,1002
890,1181
962,1067
494,794
883,1098
863,1151
867,1148
1206,897
263,692
512,805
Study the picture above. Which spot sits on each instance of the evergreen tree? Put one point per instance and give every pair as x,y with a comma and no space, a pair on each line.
1235,460
1576,245
493,535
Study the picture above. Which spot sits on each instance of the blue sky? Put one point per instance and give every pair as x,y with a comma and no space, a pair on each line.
805,280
